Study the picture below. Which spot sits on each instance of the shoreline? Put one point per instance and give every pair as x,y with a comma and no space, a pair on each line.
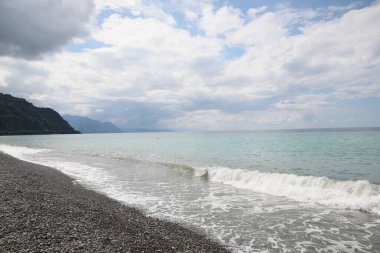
41,209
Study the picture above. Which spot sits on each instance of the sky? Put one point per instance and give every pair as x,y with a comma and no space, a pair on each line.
196,65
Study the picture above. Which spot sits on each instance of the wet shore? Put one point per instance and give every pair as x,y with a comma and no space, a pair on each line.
43,210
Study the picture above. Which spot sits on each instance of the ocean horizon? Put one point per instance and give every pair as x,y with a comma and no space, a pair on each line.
297,190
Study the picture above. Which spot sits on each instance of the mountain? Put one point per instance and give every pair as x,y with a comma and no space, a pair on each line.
87,125
18,116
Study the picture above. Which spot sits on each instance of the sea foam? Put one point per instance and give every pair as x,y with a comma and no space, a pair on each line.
361,194
20,152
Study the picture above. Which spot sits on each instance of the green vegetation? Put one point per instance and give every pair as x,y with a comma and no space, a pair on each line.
18,116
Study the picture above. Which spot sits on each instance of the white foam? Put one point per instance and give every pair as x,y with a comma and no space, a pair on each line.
93,177
20,152
344,194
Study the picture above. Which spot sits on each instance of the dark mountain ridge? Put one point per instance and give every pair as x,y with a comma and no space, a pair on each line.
18,116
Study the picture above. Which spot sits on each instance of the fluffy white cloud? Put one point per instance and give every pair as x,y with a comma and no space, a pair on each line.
221,21
153,72
341,54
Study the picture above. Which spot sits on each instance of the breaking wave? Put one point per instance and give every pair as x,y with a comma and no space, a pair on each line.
361,194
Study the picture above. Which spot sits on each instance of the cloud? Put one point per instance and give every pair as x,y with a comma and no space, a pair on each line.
325,54
297,66
136,8
30,28
220,21
219,120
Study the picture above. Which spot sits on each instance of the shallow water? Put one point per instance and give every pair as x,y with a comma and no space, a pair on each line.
268,191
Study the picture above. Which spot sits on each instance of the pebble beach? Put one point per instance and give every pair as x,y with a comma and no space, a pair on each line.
43,210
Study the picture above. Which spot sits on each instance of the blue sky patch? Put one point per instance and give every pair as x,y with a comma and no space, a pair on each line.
233,52
88,44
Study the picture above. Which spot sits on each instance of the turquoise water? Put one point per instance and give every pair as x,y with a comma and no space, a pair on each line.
275,191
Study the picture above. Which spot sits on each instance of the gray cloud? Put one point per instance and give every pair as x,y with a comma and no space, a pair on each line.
228,104
130,114
25,79
208,66
302,67
29,28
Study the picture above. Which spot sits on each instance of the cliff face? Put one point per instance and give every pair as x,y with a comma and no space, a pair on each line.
18,116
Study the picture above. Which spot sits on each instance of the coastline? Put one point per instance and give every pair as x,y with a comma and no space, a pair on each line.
42,209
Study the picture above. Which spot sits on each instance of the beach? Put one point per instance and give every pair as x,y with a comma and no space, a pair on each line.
273,191
43,210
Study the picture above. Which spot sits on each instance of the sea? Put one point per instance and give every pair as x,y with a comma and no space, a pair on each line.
312,190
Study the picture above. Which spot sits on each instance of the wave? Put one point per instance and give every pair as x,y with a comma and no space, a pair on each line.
361,195
20,152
